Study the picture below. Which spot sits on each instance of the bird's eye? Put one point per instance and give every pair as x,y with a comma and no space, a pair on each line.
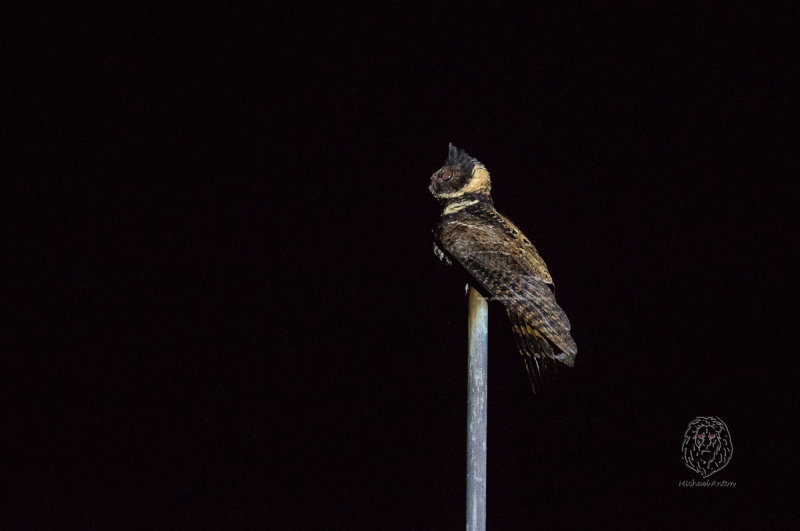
699,436
447,175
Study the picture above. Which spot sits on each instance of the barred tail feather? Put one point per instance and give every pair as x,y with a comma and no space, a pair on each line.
537,353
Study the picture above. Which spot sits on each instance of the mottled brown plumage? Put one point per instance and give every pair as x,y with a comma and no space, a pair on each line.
503,262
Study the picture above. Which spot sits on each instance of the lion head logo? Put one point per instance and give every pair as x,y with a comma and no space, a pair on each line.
707,445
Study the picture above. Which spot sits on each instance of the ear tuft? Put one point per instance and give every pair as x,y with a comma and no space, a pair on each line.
452,153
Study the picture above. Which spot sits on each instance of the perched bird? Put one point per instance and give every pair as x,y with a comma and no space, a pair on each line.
504,263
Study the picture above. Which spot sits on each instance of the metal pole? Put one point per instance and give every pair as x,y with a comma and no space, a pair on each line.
478,345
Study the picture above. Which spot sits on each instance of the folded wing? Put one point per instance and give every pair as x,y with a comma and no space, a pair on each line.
502,260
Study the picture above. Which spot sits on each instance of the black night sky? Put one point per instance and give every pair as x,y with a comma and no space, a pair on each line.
243,322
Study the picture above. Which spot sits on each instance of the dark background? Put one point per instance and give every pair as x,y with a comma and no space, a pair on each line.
244,325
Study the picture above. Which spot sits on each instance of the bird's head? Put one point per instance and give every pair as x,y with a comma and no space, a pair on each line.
460,175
